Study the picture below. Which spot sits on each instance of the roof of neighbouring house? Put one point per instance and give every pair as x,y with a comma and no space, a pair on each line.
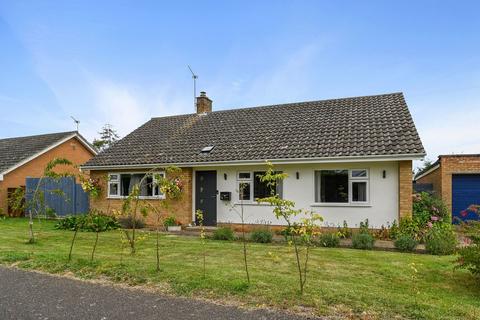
379,125
14,151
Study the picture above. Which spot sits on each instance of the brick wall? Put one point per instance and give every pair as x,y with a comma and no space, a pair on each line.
72,150
181,208
435,178
455,164
405,188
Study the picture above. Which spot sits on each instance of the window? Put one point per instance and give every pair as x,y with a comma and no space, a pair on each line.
260,189
341,186
121,185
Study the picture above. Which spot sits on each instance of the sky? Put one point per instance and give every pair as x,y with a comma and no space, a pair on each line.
123,62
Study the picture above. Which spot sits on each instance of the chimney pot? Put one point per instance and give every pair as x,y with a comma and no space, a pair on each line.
204,104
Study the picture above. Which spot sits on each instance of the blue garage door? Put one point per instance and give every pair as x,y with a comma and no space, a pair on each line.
465,192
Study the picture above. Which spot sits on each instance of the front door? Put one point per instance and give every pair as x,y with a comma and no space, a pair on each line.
206,196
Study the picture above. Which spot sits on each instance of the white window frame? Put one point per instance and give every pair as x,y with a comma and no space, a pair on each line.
159,196
245,180
351,180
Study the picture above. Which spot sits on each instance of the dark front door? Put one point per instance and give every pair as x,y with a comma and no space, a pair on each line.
206,196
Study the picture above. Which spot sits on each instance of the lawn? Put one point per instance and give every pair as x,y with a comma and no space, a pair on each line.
341,282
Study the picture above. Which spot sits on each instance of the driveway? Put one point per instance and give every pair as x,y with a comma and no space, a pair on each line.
30,295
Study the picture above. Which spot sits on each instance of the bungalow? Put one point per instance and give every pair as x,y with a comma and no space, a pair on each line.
27,157
348,159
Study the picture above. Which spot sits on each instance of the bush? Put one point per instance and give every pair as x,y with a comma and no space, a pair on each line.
170,221
409,227
223,234
261,236
426,207
344,231
469,256
89,222
69,222
441,239
127,222
330,240
363,241
405,243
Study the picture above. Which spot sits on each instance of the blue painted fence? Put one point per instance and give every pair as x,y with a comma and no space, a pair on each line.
64,196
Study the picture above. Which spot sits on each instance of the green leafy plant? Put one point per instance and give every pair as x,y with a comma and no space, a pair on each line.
170,221
330,240
223,233
35,206
426,207
284,209
364,227
441,239
344,231
405,243
469,254
364,241
261,235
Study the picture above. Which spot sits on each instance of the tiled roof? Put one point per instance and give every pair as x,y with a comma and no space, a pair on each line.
361,126
15,150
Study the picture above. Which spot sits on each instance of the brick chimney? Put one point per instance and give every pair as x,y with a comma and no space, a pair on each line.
204,104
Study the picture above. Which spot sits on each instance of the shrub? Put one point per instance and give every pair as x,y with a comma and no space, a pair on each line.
224,233
363,241
441,239
426,207
261,236
344,231
405,243
127,222
286,233
87,223
364,226
329,240
170,221
409,227
469,256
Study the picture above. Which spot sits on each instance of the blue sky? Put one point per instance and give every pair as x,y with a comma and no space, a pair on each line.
123,62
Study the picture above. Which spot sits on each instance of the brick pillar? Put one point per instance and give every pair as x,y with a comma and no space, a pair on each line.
405,188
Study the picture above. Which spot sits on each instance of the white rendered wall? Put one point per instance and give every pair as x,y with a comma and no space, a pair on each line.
381,210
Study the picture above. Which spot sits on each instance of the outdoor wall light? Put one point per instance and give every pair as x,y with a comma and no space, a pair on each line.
298,175
384,174
225,176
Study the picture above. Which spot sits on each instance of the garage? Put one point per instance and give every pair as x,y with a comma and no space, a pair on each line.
465,192
456,179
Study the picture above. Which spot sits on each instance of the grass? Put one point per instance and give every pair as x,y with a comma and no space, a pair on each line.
341,282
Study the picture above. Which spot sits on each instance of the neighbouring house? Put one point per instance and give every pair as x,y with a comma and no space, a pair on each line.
27,157
348,159
456,179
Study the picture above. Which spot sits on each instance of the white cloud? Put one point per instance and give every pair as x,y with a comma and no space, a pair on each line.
118,105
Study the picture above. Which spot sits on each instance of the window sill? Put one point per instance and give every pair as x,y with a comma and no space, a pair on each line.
140,198
251,203
348,205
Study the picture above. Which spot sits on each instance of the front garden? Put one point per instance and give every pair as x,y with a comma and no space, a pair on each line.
341,282
306,273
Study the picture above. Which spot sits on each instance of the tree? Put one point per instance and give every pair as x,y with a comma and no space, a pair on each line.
305,228
108,136
36,204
